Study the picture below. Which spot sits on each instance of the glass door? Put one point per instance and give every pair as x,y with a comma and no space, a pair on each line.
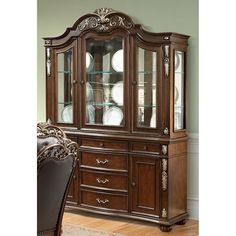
104,93
146,95
179,96
64,75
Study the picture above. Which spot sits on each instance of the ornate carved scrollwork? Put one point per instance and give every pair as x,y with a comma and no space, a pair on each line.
164,175
166,131
58,146
164,213
166,60
48,61
164,149
104,19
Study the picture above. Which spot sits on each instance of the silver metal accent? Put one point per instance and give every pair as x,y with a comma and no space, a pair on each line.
166,131
164,149
102,162
48,42
104,19
101,181
48,61
166,37
164,175
164,213
49,121
166,59
100,201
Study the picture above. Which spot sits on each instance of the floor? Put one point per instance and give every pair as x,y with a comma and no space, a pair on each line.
126,226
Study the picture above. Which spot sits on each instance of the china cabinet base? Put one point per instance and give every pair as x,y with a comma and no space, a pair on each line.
119,91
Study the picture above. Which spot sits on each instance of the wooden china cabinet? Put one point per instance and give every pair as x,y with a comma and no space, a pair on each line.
119,91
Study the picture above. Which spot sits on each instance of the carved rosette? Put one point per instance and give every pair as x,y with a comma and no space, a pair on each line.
164,175
60,149
48,61
166,49
104,19
164,213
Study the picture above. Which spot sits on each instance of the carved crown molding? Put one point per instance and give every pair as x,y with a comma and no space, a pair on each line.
60,148
105,19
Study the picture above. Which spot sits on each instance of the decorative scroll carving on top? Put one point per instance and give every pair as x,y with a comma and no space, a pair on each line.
58,146
164,175
104,19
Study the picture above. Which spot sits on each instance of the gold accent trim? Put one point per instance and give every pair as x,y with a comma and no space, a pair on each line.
164,175
164,149
164,213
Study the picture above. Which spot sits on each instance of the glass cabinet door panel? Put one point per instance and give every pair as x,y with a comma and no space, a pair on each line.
179,91
146,88
64,87
104,81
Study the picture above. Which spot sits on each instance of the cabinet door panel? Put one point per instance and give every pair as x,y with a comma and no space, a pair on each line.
145,184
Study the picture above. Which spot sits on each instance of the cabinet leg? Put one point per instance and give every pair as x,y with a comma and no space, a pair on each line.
182,222
165,228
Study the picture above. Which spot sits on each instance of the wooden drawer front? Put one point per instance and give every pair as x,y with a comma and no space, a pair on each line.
104,180
111,144
107,161
146,147
104,200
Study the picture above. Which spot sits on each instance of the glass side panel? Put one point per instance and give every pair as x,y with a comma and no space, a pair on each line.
179,91
64,86
104,82
146,85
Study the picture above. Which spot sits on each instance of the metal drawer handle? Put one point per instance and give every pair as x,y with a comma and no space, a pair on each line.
100,201
102,162
101,181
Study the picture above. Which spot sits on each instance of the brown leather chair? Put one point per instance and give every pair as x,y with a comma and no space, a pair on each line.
56,160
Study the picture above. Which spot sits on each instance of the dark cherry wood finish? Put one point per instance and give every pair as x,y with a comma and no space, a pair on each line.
128,170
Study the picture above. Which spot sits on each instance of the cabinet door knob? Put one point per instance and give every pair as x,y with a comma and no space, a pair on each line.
81,82
74,82
133,184
134,82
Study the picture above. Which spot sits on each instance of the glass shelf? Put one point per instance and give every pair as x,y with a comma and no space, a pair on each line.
103,72
106,104
65,103
64,72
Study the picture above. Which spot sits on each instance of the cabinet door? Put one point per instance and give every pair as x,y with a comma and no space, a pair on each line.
104,84
145,185
147,88
64,83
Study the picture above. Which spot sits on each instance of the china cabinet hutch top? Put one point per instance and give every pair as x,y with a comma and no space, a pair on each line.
106,73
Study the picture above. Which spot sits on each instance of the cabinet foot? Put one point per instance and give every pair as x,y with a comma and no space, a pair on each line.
165,228
182,222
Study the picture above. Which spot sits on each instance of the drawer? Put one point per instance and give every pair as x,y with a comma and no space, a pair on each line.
105,161
109,144
146,147
104,200
110,181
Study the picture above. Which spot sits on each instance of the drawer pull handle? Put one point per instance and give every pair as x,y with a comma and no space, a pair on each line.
102,162
101,181
100,201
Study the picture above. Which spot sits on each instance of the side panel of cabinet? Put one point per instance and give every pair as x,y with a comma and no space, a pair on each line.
145,185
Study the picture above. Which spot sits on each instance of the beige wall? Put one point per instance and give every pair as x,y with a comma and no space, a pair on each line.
179,16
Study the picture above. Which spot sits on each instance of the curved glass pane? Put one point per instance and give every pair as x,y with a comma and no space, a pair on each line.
104,82
64,86
147,74
179,91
